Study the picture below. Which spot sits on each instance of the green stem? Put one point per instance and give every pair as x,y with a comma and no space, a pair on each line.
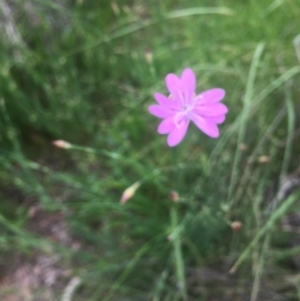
247,102
176,235
179,263
282,209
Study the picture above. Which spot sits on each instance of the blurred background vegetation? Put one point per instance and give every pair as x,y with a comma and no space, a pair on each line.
85,72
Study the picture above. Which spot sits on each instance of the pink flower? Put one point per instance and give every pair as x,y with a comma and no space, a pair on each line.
183,106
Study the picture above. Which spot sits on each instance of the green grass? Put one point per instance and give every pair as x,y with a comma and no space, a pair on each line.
78,71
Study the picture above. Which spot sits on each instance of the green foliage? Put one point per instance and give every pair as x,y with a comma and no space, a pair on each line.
85,71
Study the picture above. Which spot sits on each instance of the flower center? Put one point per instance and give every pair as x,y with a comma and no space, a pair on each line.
187,109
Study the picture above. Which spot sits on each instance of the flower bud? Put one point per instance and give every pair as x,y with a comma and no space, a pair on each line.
174,196
170,237
62,144
148,56
243,147
264,159
129,192
236,226
115,8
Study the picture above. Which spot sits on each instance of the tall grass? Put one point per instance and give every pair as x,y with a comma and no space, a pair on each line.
85,72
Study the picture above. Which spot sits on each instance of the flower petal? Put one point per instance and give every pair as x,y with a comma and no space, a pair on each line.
178,133
166,101
174,86
210,96
160,111
166,126
207,126
211,109
188,83
217,119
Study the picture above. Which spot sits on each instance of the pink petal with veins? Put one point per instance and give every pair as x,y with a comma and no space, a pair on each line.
188,82
174,86
211,109
166,101
178,133
217,119
210,96
206,126
160,111
166,126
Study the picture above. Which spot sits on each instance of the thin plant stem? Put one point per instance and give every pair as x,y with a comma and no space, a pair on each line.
278,213
175,224
244,118
290,131
259,268
176,236
19,157
179,263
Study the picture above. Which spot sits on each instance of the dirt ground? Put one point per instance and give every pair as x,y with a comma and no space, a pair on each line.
42,276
